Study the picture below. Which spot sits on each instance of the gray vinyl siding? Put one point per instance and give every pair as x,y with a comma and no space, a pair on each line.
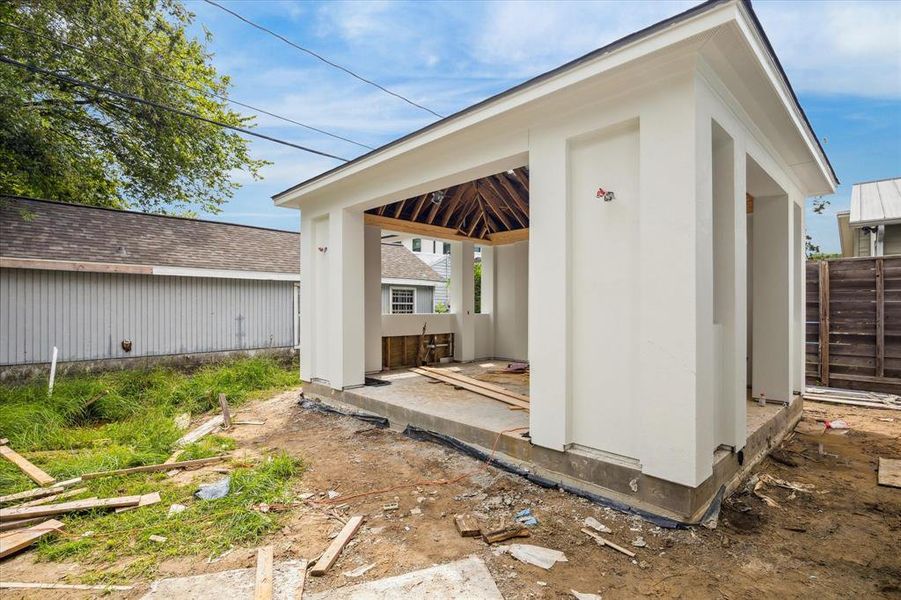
424,298
87,315
442,266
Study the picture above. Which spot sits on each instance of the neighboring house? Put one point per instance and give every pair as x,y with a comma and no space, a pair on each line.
108,284
436,254
873,225
408,284
621,256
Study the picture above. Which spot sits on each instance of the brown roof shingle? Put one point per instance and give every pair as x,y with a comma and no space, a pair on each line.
57,231
400,263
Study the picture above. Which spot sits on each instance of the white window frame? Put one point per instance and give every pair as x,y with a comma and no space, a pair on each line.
391,299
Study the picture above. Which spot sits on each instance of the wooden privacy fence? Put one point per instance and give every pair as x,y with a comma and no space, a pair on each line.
853,331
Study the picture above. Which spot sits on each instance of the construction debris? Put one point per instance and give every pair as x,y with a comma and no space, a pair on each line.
159,539
526,518
33,493
544,558
474,385
328,558
584,596
186,464
889,472
146,500
639,542
467,525
175,509
226,414
359,571
15,514
37,475
605,542
28,585
214,491
53,498
208,427
12,542
505,533
853,398
263,583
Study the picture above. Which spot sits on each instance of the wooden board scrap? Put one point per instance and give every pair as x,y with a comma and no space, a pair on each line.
473,388
478,382
505,533
605,542
10,525
52,498
331,553
302,579
262,589
185,464
889,472
146,500
37,475
208,427
16,514
32,493
226,414
12,542
29,585
467,525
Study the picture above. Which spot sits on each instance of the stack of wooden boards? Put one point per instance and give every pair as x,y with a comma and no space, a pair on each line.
489,390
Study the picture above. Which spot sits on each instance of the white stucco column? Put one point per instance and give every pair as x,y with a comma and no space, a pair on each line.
373,297
462,298
772,302
550,382
307,246
345,301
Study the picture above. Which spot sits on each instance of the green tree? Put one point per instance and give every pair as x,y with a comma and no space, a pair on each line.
65,142
477,280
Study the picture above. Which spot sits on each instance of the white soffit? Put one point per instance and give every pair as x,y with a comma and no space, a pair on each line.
876,202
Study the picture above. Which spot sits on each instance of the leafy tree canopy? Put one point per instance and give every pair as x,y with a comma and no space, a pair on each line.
65,142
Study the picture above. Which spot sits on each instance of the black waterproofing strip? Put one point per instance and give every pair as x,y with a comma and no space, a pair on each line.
445,440
376,420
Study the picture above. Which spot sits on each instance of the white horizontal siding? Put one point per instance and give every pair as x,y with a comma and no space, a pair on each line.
87,315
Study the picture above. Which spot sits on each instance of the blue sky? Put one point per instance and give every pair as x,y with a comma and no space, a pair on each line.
843,58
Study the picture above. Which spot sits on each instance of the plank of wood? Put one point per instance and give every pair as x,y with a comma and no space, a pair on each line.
146,500
467,525
37,475
505,533
485,384
208,427
880,317
185,464
889,472
32,493
174,456
15,514
331,553
68,482
473,388
34,585
301,579
605,542
19,524
262,589
226,414
53,498
824,321
12,542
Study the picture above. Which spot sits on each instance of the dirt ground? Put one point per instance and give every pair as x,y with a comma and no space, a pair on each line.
839,539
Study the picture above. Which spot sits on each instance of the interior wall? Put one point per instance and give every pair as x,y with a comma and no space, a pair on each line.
511,299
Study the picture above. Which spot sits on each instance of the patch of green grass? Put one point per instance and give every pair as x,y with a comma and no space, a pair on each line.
121,419
126,419
206,527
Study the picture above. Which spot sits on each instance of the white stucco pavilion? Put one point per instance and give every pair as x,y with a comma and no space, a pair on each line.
645,318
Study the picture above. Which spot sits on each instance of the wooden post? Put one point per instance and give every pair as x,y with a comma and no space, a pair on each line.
824,322
226,416
880,317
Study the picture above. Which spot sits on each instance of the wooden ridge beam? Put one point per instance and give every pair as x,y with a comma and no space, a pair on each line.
509,237
423,229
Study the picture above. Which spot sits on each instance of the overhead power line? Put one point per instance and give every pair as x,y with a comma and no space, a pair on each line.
322,58
183,84
178,111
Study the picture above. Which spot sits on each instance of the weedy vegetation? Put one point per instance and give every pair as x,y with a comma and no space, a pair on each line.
126,419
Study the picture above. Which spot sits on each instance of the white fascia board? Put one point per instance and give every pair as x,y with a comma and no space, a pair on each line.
781,87
225,274
399,281
615,57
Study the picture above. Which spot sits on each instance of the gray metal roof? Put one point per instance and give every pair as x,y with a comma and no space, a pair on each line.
875,202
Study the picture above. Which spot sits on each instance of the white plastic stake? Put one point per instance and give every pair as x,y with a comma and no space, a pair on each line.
52,371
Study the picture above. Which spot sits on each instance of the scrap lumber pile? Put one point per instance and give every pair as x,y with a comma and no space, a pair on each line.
489,390
853,398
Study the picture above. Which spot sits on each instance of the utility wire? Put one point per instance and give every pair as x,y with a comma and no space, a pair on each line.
185,85
184,113
322,58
